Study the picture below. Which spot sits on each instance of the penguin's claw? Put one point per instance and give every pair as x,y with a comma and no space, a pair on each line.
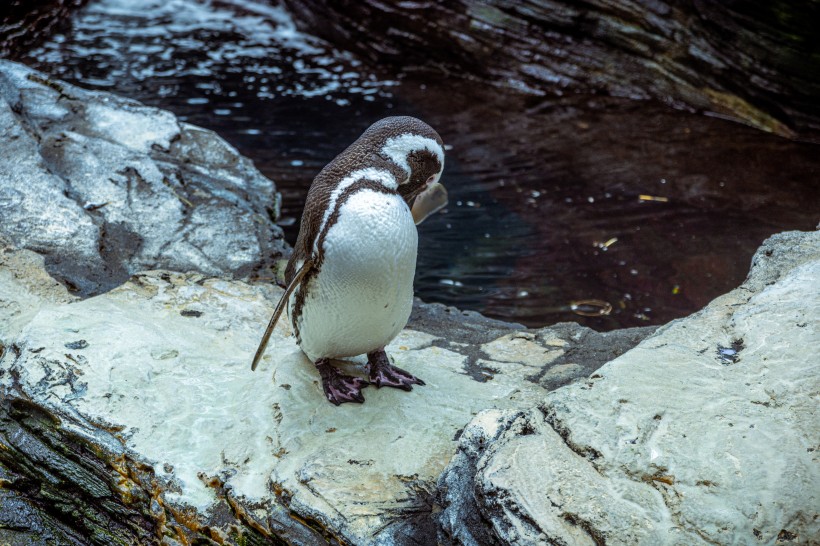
340,388
384,374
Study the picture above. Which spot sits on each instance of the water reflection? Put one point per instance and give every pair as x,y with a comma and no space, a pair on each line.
651,210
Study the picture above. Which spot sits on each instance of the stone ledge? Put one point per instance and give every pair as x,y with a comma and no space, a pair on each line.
705,433
151,380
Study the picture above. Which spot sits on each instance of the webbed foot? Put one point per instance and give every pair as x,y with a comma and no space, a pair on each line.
340,388
384,374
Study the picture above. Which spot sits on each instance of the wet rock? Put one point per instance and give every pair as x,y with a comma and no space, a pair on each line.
25,23
551,356
750,61
144,395
104,186
669,443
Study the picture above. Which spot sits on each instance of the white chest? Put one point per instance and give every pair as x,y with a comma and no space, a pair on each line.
363,294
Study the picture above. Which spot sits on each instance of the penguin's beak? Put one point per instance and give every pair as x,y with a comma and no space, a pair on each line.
428,202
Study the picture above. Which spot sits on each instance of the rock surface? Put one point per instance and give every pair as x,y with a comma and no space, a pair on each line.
706,433
141,402
137,409
751,61
104,187
24,288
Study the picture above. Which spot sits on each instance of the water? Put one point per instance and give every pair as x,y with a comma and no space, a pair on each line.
553,202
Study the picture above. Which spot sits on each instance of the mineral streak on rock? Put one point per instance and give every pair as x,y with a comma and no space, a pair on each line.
104,186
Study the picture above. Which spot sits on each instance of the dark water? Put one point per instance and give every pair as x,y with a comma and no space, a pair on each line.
552,201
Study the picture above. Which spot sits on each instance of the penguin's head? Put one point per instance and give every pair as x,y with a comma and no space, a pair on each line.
418,152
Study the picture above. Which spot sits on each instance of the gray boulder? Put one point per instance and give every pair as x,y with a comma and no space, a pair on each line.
104,187
706,433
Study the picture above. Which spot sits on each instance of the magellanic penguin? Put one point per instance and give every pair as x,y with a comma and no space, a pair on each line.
350,278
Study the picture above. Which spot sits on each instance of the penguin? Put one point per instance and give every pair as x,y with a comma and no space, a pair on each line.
350,277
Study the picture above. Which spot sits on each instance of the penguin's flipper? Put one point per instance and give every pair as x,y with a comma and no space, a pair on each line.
283,301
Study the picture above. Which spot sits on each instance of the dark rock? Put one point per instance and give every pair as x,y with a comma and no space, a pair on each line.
68,483
586,351
457,325
25,23
751,61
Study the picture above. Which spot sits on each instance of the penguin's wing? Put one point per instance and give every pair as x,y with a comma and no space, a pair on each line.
283,301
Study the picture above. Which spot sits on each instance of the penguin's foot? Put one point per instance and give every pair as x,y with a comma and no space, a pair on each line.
383,374
340,388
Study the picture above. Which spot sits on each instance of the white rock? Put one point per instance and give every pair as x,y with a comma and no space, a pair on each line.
706,433
167,357
25,287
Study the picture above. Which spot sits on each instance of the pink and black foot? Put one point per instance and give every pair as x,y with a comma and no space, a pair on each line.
383,374
340,388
